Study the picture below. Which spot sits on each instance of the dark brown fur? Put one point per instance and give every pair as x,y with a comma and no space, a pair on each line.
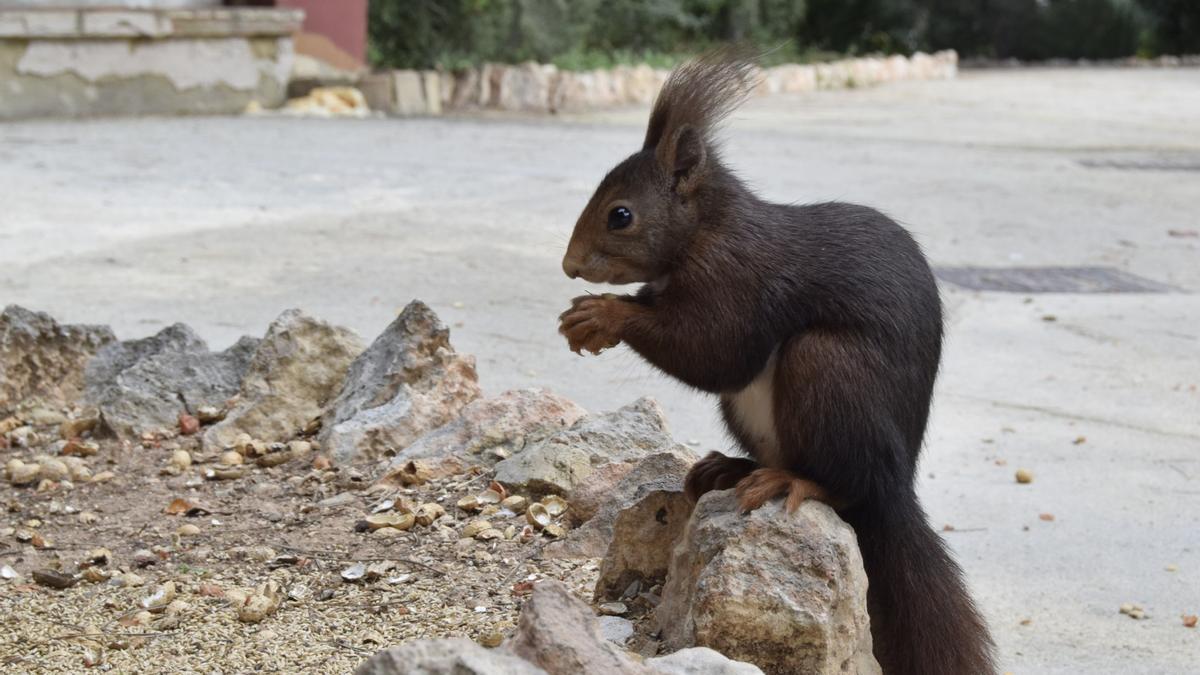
841,295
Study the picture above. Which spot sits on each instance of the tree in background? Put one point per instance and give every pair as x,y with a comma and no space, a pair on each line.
1176,26
596,33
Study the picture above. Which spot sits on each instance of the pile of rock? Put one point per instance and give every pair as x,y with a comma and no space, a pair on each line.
785,592
538,87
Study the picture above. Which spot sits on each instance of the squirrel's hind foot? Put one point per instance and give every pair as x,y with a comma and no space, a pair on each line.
763,485
716,472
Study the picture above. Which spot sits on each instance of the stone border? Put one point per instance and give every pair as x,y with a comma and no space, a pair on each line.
1165,61
81,24
543,88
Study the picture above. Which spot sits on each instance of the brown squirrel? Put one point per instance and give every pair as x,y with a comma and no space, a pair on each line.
819,327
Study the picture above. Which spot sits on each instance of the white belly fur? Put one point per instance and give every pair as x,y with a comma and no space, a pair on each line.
754,409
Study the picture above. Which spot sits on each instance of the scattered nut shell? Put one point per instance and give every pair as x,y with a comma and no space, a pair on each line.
515,503
555,505
475,527
399,521
489,534
160,598
261,604
427,513
232,458
20,473
1024,476
538,515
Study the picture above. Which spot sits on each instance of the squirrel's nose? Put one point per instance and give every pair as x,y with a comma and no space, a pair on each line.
571,267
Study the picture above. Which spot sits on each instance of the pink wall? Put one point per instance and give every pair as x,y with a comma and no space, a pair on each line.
344,22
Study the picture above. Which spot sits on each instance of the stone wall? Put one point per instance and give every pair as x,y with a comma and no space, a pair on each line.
79,62
534,87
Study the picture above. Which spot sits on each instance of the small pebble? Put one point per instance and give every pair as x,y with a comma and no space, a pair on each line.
188,425
54,579
1024,476
187,530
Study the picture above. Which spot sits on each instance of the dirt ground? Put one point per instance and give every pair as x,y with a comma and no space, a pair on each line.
292,524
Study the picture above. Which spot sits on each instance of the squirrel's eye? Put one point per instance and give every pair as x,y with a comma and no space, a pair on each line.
620,218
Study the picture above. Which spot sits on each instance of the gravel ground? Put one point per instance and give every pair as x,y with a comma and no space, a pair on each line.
292,525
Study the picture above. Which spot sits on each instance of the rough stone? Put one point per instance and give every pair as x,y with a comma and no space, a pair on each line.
564,460
785,591
293,375
504,424
558,632
640,528
616,630
591,495
408,382
39,358
450,656
145,384
701,661
408,89
525,87
649,503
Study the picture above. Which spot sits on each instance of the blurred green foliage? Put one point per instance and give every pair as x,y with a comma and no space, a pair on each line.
582,34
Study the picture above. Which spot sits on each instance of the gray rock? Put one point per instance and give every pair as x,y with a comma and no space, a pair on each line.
450,656
640,491
784,591
505,424
564,460
408,382
701,661
293,375
640,527
41,359
145,384
558,632
616,630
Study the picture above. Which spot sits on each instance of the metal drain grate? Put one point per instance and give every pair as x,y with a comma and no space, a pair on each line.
1050,280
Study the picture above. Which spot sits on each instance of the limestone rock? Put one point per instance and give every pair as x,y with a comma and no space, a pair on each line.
39,358
525,87
450,656
784,591
591,495
640,528
616,630
488,428
701,661
407,383
145,384
292,376
564,460
558,632
648,500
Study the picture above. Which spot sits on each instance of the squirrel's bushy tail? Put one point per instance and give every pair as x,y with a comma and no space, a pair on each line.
923,622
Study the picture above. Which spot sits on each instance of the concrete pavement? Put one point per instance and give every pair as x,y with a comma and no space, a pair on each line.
223,223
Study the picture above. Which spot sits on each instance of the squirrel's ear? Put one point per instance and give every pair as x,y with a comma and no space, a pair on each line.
684,155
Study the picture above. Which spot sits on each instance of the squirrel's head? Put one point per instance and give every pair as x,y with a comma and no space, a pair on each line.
643,215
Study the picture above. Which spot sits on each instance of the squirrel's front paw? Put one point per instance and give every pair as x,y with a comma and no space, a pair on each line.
593,323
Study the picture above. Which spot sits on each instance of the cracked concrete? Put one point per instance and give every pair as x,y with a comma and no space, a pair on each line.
222,223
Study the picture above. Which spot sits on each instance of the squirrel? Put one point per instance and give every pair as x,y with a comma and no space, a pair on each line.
819,327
